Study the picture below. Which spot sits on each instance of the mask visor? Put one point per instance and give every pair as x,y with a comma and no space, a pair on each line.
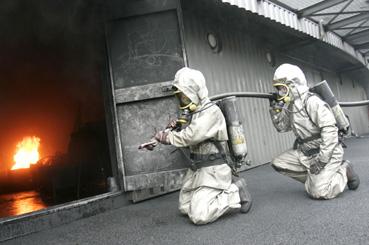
184,101
283,90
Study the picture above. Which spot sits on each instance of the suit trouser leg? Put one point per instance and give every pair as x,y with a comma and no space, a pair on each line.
329,183
331,180
186,192
288,164
208,204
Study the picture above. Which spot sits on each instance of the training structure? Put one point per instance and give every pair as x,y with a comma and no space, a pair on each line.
237,45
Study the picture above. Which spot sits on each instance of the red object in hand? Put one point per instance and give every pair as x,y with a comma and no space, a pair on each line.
148,146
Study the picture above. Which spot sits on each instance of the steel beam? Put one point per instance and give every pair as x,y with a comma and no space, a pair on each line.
349,28
348,21
355,28
362,46
340,12
358,35
318,7
345,12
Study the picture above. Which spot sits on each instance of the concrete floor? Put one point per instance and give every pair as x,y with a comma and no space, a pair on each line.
282,213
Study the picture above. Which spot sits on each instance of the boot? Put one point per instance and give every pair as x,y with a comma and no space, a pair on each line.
245,196
353,180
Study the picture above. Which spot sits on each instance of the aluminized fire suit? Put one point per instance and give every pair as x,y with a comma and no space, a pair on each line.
313,123
207,192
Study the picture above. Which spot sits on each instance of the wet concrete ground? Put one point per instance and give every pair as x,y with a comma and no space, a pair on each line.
20,203
281,214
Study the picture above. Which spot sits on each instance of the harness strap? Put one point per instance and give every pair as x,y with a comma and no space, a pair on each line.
195,166
299,141
204,158
201,161
311,152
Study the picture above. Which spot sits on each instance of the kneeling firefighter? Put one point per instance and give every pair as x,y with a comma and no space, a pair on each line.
317,156
209,190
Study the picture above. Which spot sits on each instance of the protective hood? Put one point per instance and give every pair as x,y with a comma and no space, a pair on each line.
293,77
192,83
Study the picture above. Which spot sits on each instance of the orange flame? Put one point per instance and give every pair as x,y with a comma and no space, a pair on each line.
27,152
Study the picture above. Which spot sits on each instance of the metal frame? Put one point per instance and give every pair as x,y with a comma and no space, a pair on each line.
340,12
349,28
308,11
182,32
280,12
356,28
358,35
348,21
354,32
114,120
362,46
143,186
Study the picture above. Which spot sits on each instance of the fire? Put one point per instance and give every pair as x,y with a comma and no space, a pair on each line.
27,152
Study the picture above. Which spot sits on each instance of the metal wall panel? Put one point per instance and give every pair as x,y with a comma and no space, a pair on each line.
352,90
241,65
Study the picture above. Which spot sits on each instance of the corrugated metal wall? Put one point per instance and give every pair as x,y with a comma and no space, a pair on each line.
345,88
242,66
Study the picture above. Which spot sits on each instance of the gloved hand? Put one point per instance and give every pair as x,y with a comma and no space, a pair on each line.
150,147
316,166
172,124
273,99
276,105
162,137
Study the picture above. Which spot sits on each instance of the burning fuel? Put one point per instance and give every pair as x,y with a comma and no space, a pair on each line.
26,152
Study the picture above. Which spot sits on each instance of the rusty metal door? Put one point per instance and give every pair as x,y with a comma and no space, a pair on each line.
145,49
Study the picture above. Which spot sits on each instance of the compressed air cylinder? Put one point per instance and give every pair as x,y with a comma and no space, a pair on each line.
236,136
325,92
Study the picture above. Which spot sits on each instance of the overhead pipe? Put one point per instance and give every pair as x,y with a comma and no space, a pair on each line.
354,103
270,96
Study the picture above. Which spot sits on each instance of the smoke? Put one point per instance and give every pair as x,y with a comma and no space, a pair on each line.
51,59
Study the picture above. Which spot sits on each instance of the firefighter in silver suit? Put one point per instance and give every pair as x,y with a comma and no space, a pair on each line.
317,156
208,189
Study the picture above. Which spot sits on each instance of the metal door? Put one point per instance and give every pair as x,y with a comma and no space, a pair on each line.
145,49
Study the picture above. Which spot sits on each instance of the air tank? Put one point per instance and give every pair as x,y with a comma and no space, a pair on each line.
325,92
236,136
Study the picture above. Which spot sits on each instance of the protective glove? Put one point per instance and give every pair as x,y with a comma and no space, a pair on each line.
273,98
276,106
162,137
150,147
172,124
316,166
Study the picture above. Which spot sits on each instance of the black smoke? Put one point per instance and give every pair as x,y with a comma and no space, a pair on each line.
51,71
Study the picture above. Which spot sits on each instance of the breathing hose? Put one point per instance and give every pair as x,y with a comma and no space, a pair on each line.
270,96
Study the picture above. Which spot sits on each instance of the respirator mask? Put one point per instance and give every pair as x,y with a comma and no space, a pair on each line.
283,91
186,106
